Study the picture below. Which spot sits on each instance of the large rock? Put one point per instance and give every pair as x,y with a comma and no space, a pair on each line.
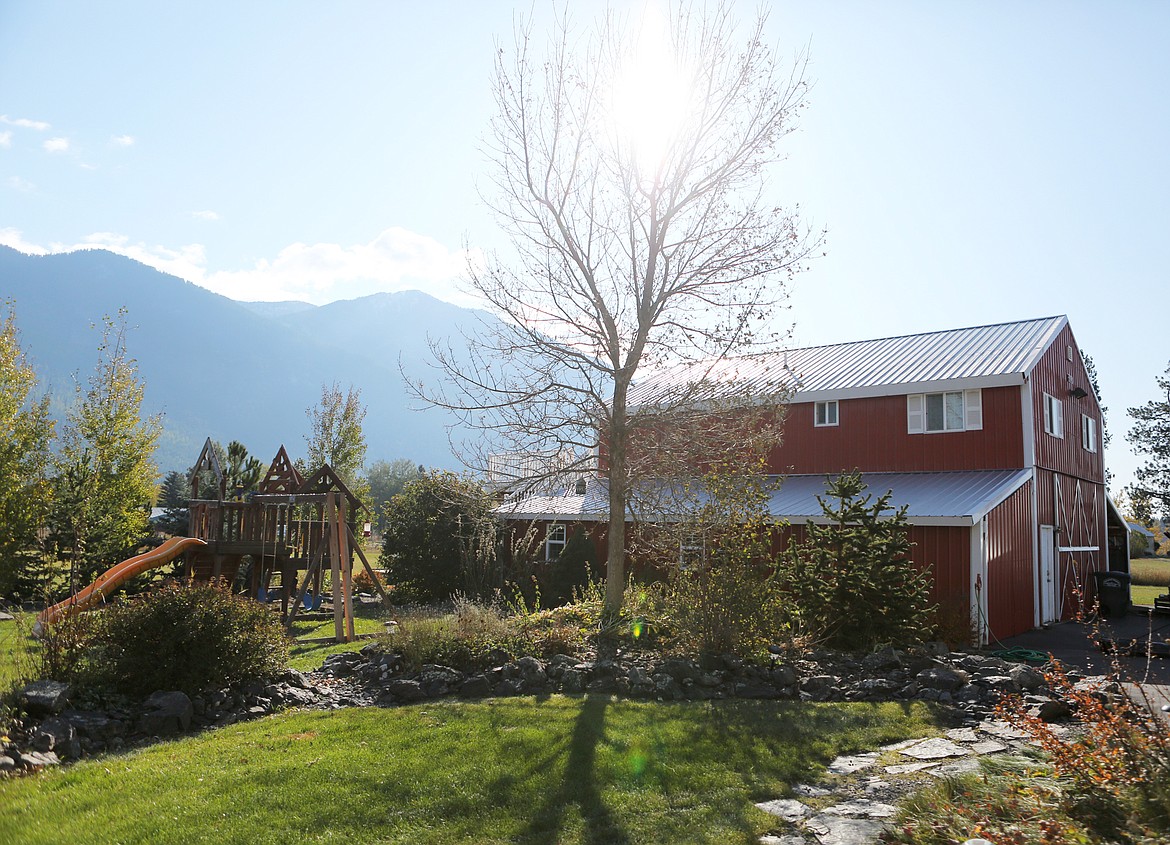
166,713
941,678
41,698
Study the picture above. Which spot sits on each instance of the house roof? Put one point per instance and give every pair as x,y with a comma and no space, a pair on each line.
931,498
980,356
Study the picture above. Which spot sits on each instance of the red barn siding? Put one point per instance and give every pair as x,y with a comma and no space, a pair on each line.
872,437
1056,376
1011,580
946,552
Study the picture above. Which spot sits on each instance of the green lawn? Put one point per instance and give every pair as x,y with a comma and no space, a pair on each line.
14,645
1144,594
525,770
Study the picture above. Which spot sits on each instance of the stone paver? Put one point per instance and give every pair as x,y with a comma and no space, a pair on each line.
788,809
854,820
839,830
935,748
863,809
848,764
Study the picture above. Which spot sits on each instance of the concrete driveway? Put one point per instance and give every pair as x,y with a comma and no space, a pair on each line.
1077,644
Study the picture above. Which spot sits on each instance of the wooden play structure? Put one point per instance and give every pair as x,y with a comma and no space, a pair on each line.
291,529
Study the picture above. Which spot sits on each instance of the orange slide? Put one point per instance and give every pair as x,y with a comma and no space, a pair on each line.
113,578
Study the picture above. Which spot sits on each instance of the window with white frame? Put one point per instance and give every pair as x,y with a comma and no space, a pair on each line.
825,413
1053,416
953,410
554,542
1088,433
692,551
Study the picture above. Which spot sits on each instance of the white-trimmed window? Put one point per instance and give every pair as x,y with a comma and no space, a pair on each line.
825,413
555,538
953,410
1088,433
1053,415
692,551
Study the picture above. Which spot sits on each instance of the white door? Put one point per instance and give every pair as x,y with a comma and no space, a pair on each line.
1047,574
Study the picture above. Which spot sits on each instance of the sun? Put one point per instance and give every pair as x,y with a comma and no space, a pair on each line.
652,92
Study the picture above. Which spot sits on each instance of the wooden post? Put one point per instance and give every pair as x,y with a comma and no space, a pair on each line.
335,568
346,561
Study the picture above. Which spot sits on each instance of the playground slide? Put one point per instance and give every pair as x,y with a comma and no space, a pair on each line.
113,578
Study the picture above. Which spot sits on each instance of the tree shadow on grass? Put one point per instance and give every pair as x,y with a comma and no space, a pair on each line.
578,787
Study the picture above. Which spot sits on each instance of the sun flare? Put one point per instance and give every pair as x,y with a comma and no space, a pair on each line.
651,91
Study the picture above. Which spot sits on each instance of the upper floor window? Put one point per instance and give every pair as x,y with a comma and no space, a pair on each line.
825,413
1088,433
955,410
554,542
1053,415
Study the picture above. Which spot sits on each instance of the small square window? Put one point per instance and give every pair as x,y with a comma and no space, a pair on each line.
825,413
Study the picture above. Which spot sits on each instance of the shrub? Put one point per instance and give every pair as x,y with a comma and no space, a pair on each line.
440,538
1118,761
572,570
185,637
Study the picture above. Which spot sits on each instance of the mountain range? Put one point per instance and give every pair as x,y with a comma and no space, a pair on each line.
216,367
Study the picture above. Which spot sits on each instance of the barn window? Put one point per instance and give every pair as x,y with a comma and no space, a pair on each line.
954,410
554,542
826,413
1053,416
692,551
1088,433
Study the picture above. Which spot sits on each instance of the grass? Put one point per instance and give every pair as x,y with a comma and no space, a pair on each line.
14,650
1144,594
1150,571
306,656
525,770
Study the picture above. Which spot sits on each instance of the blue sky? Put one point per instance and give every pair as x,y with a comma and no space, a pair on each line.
972,162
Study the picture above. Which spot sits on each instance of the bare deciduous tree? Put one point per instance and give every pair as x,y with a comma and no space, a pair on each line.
630,175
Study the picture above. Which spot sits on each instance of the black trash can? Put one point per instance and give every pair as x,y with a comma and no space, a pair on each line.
1112,593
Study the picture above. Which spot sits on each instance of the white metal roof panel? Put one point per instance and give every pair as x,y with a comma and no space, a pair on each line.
1001,353
931,498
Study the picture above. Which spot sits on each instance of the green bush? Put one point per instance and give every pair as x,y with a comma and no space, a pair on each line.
185,637
574,567
440,539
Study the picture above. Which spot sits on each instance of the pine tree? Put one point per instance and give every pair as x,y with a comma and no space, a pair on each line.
852,581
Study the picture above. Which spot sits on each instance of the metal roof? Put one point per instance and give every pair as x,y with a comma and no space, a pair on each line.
931,498
972,357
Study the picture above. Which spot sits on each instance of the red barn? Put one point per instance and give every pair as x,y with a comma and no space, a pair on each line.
990,436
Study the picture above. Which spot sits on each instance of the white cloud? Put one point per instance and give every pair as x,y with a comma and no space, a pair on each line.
6,139
22,185
397,259
56,145
24,123
122,140
14,238
205,215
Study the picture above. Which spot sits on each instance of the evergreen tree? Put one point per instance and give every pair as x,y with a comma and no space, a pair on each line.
176,490
851,581
105,474
25,436
243,471
1150,436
